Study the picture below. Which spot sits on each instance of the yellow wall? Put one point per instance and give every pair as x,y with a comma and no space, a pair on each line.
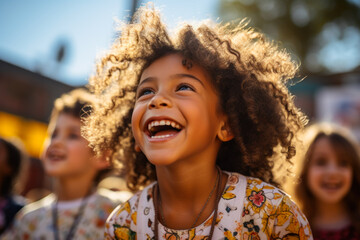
32,133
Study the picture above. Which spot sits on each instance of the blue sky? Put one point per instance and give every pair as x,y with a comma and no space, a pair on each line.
30,31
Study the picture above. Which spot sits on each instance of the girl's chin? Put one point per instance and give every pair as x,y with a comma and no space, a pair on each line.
161,162
331,199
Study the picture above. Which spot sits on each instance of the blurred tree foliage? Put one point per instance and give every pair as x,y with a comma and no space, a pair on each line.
323,34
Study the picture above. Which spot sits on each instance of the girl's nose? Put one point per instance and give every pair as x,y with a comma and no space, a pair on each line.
332,168
56,140
159,101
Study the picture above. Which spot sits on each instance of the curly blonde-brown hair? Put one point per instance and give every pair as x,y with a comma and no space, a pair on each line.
248,72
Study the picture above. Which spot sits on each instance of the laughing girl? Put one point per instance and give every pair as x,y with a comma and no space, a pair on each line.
195,119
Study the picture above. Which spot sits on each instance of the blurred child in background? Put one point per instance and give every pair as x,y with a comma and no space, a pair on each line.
11,161
328,188
77,209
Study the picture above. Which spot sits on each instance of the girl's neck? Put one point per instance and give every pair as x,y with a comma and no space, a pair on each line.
70,190
187,180
331,216
184,190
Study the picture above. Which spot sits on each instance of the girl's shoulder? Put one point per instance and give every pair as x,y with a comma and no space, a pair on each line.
256,185
266,210
250,190
31,216
38,207
260,194
253,186
124,217
115,197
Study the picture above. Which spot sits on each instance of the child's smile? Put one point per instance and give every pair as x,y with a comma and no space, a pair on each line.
176,114
162,128
329,178
56,155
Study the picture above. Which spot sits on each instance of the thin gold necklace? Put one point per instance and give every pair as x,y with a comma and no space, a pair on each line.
218,196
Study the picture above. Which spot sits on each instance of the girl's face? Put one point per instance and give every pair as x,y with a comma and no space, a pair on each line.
176,114
329,178
67,153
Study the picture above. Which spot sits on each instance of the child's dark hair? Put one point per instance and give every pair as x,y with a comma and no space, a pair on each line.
346,150
14,160
248,72
78,103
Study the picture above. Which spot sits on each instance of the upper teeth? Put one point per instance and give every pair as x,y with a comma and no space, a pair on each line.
164,123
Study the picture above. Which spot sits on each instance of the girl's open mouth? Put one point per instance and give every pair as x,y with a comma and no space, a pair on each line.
162,129
331,186
55,155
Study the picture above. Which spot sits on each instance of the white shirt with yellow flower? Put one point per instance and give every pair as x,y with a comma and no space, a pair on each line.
34,221
248,209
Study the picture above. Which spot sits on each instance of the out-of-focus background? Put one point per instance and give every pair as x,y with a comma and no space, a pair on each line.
49,47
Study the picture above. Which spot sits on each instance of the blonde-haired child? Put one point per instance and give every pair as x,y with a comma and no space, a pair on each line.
76,209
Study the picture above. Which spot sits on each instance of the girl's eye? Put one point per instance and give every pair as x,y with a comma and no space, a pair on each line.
73,136
185,87
145,91
343,163
54,134
320,162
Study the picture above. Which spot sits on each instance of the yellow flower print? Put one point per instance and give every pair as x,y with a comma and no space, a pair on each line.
302,234
227,194
251,236
192,234
229,235
291,237
267,223
294,226
283,218
254,181
268,187
32,226
133,217
218,219
284,207
124,207
277,196
123,233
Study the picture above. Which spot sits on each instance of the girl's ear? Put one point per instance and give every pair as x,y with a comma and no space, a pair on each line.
137,148
225,134
103,161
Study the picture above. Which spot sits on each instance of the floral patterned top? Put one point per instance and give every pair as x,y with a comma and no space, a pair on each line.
248,209
34,221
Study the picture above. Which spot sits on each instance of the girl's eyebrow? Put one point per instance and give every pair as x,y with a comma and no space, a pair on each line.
73,128
181,75
175,76
148,79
